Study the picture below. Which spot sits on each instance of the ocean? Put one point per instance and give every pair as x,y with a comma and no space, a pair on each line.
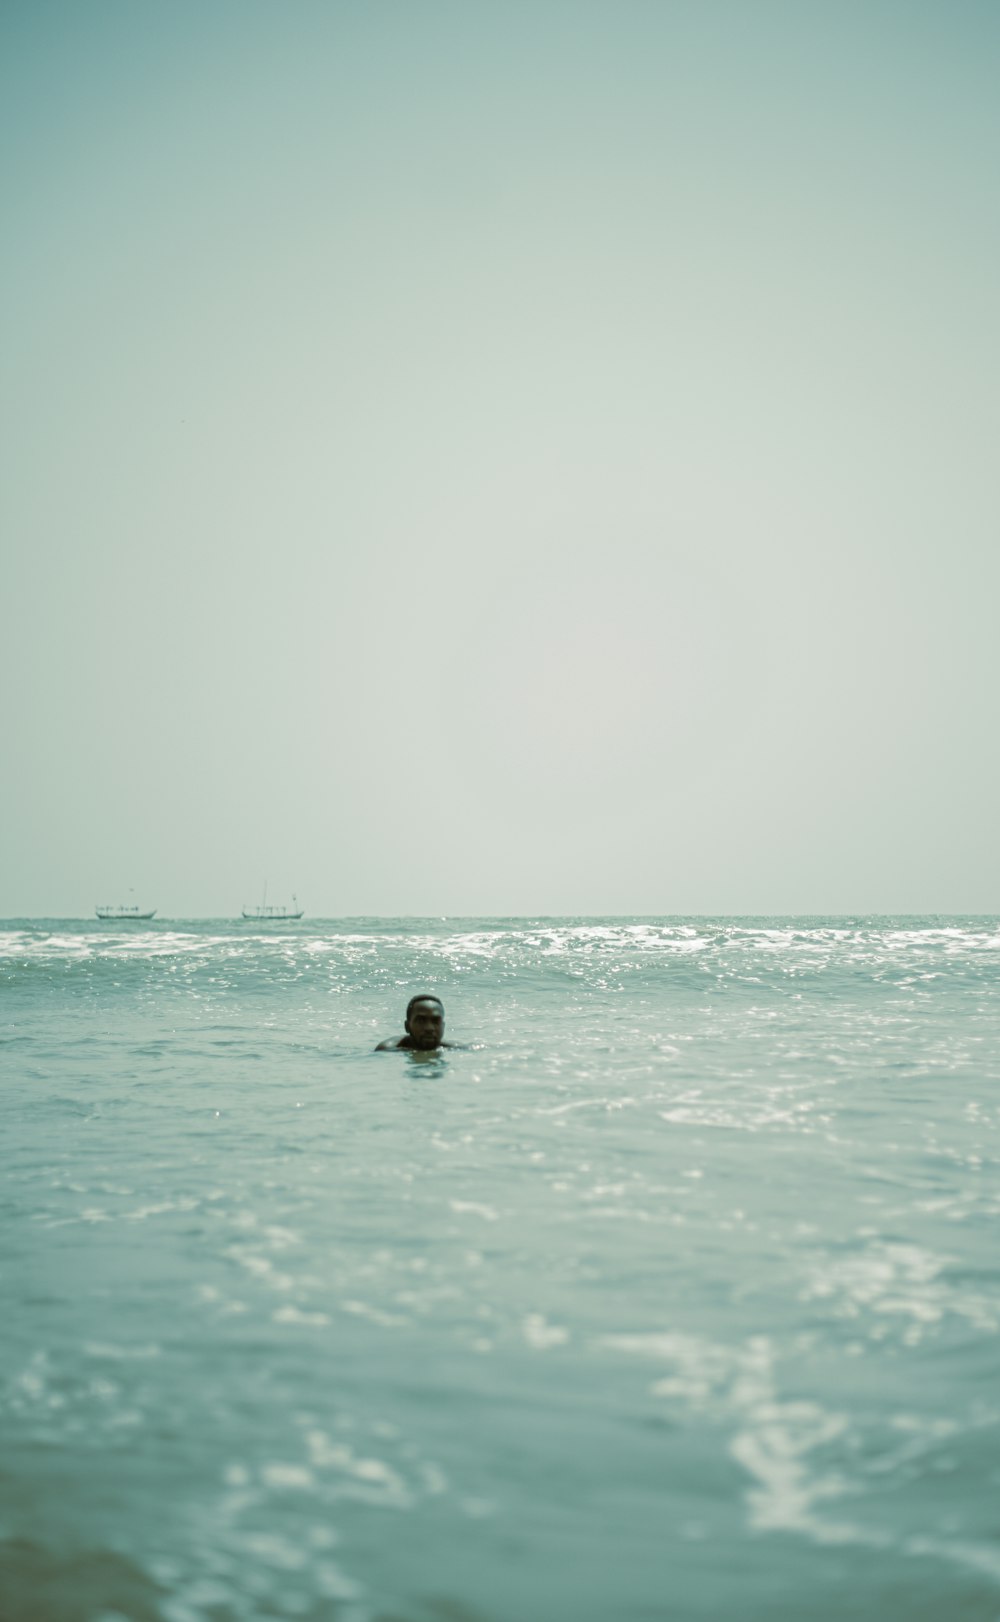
674,1295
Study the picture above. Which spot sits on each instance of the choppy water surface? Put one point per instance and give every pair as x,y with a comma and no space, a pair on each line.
675,1297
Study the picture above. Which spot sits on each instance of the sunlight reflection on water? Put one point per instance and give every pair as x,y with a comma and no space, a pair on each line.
680,1280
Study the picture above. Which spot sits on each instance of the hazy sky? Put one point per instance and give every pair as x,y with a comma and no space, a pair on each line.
501,457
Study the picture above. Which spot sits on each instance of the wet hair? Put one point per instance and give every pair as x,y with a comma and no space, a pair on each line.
425,996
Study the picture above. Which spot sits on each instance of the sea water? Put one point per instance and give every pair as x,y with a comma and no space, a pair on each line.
674,1295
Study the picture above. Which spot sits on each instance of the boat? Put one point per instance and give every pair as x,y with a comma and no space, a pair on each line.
118,914
274,915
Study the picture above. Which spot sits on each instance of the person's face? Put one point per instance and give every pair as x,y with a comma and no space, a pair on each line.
426,1024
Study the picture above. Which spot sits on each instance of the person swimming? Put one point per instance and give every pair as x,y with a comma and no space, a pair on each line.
424,1027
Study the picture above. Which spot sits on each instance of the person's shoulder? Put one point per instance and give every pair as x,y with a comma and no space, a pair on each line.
389,1043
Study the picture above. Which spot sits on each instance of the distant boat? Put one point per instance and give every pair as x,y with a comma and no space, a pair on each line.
274,915
118,913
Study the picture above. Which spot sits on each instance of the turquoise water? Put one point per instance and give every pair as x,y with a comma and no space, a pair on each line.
676,1296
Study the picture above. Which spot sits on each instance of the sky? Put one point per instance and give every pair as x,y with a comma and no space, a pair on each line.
490,458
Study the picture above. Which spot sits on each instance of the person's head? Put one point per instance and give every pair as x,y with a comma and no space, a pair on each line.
425,1021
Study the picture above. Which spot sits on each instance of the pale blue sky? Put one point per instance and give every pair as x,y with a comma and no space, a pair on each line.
501,457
